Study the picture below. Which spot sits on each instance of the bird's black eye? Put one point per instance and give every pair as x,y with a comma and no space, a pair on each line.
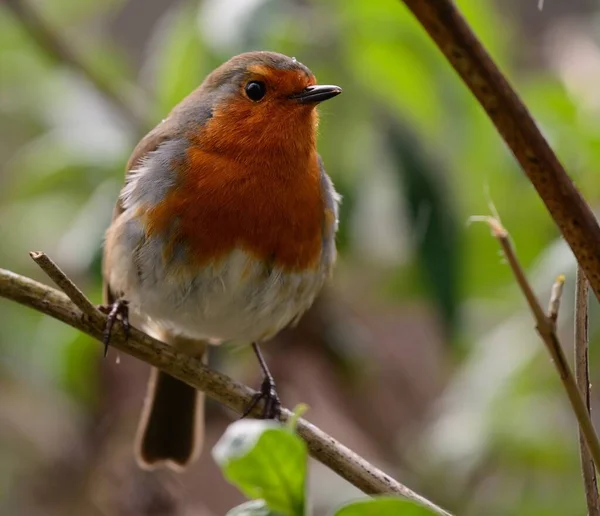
256,90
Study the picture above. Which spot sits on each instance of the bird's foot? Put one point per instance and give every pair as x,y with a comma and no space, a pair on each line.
118,308
268,393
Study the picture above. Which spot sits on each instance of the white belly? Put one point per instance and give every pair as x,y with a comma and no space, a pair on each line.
237,298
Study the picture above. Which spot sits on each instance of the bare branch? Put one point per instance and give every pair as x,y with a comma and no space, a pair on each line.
546,329
555,295
583,381
230,393
64,283
464,51
129,104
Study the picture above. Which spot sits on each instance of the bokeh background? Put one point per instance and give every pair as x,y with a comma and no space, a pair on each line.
420,355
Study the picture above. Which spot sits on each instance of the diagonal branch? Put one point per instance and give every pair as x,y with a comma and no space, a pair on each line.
128,104
572,215
65,284
546,329
230,393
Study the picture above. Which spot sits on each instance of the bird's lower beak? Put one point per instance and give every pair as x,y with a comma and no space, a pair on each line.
316,94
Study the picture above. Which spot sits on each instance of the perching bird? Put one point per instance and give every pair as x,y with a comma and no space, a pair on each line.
224,230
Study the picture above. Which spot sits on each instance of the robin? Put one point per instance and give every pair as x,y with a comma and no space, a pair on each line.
224,231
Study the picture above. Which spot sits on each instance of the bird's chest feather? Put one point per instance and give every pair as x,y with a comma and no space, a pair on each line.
271,209
209,249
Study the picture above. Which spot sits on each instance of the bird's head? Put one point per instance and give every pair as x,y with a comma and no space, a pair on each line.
260,100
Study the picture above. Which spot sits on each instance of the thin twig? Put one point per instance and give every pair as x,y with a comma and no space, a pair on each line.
555,296
454,37
64,283
546,329
583,381
230,393
129,104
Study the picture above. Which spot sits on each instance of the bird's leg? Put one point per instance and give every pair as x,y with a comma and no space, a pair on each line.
268,393
119,307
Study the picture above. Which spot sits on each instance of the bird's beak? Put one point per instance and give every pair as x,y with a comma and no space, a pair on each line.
316,94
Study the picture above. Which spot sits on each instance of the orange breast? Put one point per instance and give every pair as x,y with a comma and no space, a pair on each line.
272,208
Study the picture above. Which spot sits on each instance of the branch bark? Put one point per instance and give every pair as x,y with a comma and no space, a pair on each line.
464,51
582,375
76,313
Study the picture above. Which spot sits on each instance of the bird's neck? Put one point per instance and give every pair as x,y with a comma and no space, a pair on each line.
248,136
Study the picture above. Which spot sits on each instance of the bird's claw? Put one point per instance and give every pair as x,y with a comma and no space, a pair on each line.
268,393
113,311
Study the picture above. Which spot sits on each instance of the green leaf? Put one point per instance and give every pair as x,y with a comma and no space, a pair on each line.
252,508
384,506
265,460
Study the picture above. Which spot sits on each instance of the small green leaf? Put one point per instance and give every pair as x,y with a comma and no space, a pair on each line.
297,413
266,461
384,506
252,508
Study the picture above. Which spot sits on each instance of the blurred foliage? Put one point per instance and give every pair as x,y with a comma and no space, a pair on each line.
414,157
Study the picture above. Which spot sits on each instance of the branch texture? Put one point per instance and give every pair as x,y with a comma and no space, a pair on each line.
582,375
455,39
225,390
546,328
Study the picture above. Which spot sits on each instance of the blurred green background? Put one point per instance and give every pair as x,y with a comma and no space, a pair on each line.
420,355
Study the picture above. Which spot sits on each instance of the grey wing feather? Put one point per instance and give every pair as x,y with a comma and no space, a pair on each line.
193,112
159,135
332,201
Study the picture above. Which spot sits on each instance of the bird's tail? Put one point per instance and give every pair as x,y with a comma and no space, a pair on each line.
171,428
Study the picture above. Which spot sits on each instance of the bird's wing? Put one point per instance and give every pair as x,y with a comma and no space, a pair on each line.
162,133
193,112
330,222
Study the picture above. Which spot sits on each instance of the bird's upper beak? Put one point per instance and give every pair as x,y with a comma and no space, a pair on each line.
316,94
